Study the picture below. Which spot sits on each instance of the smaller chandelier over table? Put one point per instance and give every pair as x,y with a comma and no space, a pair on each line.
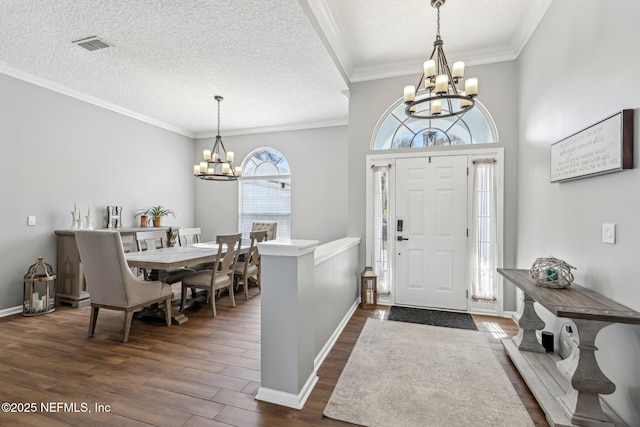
437,94
217,164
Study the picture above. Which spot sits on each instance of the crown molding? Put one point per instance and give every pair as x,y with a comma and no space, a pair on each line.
47,84
321,18
322,21
530,20
271,129
405,68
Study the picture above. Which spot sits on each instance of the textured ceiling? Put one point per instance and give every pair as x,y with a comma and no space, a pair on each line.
278,63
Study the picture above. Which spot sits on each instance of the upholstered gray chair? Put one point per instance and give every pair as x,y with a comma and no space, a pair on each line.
110,282
271,227
249,269
220,277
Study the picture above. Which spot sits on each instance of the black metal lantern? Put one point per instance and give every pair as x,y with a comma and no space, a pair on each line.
39,289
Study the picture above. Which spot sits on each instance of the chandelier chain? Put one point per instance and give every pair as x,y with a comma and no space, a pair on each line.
438,32
218,117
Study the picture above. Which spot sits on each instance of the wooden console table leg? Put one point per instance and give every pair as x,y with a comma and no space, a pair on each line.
528,321
582,402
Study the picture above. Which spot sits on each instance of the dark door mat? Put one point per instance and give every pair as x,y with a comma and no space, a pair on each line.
432,317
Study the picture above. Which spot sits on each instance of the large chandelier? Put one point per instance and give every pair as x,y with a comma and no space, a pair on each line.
440,97
217,164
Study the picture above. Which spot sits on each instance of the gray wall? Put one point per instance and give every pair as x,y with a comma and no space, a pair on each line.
56,149
318,161
579,68
369,100
335,289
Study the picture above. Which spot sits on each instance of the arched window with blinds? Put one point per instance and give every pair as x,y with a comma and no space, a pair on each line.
265,191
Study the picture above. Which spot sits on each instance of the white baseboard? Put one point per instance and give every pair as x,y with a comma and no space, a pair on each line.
295,401
11,310
324,352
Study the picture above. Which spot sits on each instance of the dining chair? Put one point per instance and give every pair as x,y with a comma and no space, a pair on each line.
189,236
271,227
111,283
249,269
151,241
220,277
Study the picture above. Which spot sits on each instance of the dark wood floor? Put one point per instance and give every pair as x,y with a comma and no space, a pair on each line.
203,373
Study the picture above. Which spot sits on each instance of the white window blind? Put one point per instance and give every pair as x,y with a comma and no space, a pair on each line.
265,192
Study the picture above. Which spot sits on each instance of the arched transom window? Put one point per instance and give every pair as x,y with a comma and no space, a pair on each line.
265,191
397,130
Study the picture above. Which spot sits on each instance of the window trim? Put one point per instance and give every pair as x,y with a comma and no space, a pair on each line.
389,112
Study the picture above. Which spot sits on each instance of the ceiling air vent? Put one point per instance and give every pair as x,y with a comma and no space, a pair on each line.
92,43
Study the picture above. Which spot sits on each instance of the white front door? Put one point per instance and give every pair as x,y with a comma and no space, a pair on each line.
431,202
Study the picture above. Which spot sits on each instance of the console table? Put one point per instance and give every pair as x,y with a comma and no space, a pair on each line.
71,286
567,390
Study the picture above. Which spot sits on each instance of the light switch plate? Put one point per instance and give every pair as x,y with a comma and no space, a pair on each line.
608,233
31,220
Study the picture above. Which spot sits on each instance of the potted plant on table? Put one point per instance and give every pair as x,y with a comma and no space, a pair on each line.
156,213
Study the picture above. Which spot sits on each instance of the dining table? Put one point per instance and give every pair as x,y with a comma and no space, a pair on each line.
176,257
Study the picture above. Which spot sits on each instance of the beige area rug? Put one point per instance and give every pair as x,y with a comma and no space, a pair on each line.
403,374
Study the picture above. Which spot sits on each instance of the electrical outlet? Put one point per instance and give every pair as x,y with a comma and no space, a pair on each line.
31,220
609,233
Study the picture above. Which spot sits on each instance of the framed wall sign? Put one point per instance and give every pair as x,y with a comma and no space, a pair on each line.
604,147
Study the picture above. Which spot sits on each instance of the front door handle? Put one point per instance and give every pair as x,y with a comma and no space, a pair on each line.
400,238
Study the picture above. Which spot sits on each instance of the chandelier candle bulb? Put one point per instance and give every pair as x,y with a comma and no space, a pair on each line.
464,103
409,93
442,83
436,106
206,154
230,156
429,84
471,87
430,68
196,169
226,169
210,171
238,171
458,70
203,167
